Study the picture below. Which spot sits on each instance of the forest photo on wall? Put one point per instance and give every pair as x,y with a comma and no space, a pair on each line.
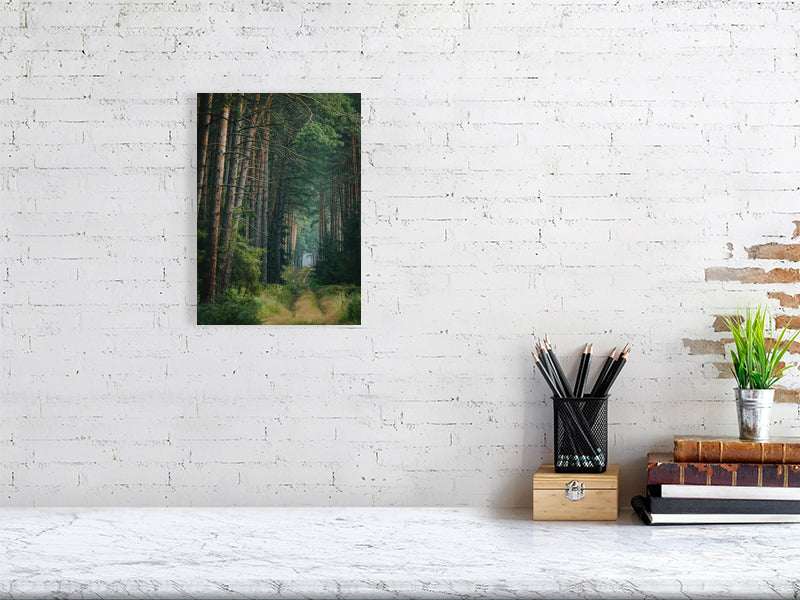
278,209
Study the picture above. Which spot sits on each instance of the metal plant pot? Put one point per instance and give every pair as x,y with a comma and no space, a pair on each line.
754,408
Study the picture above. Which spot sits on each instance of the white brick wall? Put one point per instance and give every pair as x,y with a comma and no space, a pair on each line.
553,167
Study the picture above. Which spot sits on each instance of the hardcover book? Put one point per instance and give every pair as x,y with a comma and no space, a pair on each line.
741,492
733,450
640,505
662,468
721,506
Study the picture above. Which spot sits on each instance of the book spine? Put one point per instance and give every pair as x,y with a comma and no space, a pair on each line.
721,506
730,474
731,492
718,451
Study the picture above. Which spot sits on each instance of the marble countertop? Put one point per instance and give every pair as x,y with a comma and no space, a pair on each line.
383,553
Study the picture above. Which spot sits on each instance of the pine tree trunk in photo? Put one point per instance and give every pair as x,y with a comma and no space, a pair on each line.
298,255
294,236
264,212
291,237
251,191
250,198
338,207
211,167
321,224
331,218
258,200
285,246
348,188
356,175
234,137
211,271
262,225
274,243
238,194
267,193
232,196
274,225
204,122
342,202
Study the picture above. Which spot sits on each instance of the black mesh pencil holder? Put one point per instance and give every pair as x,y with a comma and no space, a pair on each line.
581,435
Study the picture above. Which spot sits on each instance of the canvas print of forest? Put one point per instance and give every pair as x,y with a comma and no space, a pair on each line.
278,209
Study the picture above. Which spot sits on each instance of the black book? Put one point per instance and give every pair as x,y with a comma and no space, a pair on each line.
641,505
707,506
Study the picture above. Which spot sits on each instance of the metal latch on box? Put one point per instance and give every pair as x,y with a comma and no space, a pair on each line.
573,490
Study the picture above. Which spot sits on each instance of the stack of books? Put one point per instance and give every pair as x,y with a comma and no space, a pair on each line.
722,480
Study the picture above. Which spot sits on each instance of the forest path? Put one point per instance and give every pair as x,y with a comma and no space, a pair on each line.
306,307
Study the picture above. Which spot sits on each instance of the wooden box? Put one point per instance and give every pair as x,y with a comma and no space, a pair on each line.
575,496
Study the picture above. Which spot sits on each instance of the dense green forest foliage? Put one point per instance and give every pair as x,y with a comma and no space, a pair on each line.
279,210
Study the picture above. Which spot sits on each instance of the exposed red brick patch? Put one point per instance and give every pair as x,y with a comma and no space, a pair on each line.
786,300
775,252
794,347
785,252
788,321
705,346
752,275
783,395
781,321
719,322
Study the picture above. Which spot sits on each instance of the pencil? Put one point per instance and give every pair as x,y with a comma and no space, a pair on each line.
547,359
568,443
559,370
583,370
614,373
576,452
545,374
605,386
601,376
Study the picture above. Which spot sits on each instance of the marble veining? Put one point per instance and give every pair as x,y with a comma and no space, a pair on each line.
383,553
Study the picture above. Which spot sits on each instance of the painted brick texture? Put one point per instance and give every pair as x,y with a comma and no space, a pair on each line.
605,172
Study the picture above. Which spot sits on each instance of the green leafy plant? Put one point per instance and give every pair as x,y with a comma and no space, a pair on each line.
755,362
236,307
354,310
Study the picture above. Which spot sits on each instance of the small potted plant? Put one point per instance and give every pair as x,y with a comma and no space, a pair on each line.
755,366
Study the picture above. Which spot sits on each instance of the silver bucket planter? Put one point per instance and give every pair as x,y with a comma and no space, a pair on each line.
754,408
